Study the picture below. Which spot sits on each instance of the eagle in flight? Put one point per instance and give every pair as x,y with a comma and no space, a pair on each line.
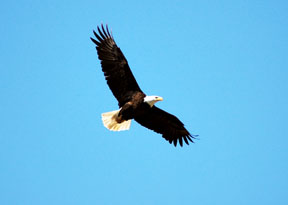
132,101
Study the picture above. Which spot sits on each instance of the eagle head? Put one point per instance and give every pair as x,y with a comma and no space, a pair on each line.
151,100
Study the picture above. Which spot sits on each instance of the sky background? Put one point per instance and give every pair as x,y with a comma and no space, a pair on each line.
221,67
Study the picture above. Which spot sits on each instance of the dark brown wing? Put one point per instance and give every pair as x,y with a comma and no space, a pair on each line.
115,66
171,128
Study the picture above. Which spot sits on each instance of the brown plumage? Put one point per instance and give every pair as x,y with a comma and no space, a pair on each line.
133,103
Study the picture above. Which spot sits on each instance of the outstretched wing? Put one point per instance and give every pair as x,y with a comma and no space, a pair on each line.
171,128
115,66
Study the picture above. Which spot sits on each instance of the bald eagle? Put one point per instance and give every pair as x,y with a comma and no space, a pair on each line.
133,103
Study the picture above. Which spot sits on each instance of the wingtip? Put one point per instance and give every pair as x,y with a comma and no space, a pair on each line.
186,139
175,143
93,40
94,32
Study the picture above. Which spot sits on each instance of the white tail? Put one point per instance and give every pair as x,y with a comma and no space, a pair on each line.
109,121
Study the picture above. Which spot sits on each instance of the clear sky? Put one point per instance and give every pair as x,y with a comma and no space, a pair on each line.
221,67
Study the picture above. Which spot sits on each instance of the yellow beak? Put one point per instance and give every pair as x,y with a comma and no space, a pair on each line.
159,99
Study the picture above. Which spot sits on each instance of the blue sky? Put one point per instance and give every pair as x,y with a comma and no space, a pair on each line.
221,67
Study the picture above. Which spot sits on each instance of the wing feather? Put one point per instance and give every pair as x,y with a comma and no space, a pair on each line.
119,77
171,128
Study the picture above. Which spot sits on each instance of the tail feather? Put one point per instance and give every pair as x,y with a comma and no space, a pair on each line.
109,121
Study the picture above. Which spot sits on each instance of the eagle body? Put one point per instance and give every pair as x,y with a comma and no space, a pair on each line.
134,107
132,101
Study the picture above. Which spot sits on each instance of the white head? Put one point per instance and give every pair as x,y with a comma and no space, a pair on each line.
151,100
